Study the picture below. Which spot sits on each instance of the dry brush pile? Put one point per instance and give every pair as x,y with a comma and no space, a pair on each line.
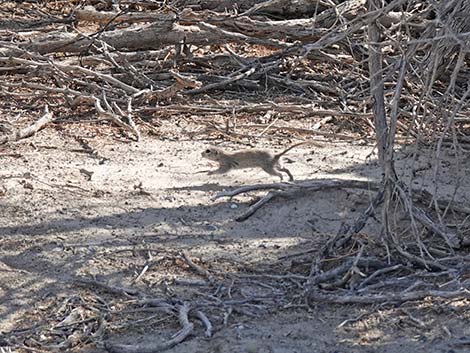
396,70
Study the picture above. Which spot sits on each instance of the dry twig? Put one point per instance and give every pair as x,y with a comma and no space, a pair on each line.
30,130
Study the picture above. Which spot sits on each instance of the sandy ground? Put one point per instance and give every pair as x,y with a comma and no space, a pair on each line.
68,213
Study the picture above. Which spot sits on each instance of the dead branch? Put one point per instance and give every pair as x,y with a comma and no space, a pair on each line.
224,82
451,238
111,115
303,109
198,269
311,185
343,268
165,31
288,190
257,205
74,68
67,92
238,37
201,316
156,35
107,287
30,130
169,92
186,330
389,298
89,14
245,189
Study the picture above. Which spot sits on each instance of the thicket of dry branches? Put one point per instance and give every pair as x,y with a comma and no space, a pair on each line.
398,67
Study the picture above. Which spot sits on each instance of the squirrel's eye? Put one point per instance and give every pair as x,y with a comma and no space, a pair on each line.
208,151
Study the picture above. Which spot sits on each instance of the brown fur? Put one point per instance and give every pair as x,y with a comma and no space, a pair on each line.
249,158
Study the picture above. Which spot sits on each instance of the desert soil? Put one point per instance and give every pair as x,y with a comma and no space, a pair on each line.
67,212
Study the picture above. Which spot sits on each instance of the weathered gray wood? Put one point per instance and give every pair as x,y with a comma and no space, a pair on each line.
30,130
